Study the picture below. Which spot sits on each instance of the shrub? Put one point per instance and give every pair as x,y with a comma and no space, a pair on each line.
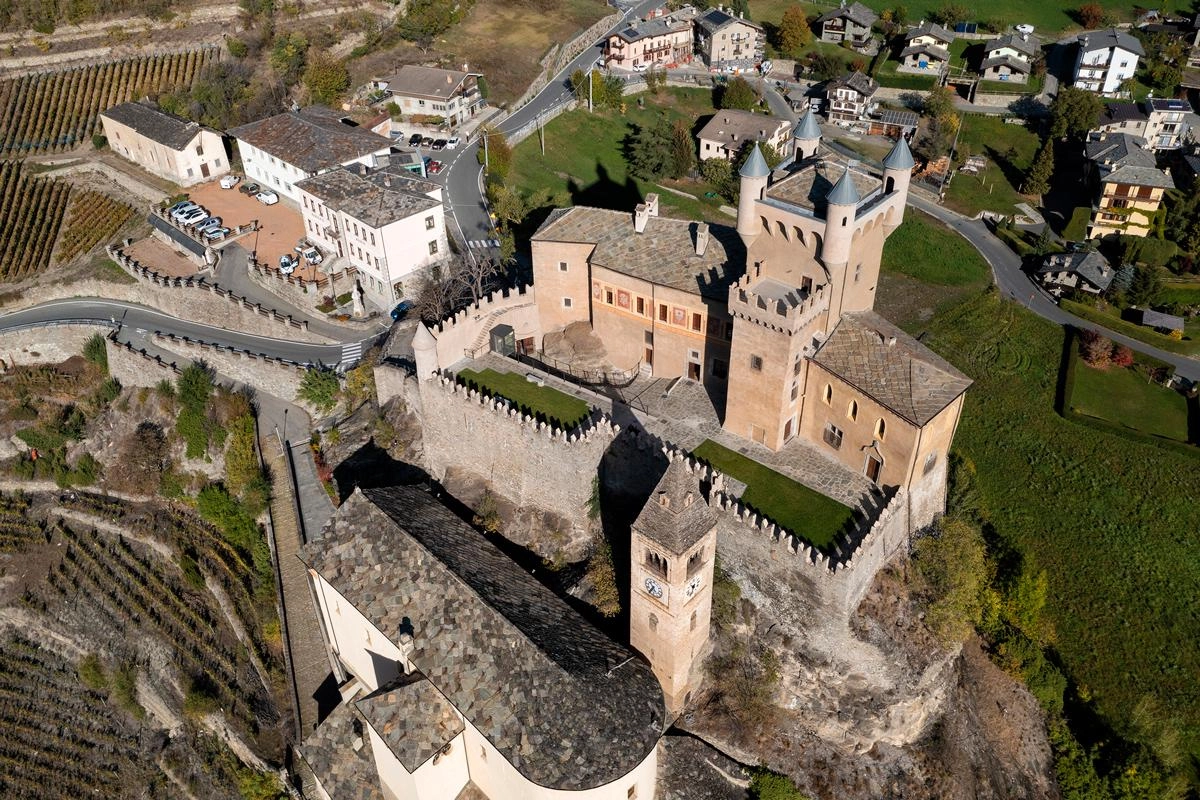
1094,349
191,572
124,690
108,391
768,785
95,350
319,387
725,596
99,141
237,48
91,672
603,576
954,572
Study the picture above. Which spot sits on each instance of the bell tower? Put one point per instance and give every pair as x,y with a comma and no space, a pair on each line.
672,548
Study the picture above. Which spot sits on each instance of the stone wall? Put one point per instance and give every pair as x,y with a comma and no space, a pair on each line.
45,345
560,56
137,367
467,330
297,291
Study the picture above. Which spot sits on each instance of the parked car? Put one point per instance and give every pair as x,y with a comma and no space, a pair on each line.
309,252
426,141
197,214
639,67
183,209
230,181
414,140
399,312
288,263
267,198
249,188
205,224
439,144
452,142
218,232
600,63
435,167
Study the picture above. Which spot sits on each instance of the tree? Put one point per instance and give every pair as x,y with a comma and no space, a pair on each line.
825,66
950,14
1147,287
475,278
738,93
953,569
325,78
1038,180
1073,113
1090,15
650,150
769,154
719,174
435,296
683,149
497,154
1094,349
287,56
319,387
794,32
656,80
767,785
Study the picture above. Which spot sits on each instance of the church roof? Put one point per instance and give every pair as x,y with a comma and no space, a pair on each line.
891,367
343,771
899,157
676,515
569,708
411,717
756,165
807,127
843,192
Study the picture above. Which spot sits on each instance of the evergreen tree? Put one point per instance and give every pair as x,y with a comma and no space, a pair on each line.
1038,181
1073,113
651,150
683,149
738,93
1147,287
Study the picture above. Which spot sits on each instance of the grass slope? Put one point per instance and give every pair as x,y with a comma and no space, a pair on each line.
1111,520
1122,396
925,249
1047,17
810,515
1009,150
560,408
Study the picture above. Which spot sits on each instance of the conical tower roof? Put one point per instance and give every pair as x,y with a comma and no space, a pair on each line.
676,515
807,127
756,165
899,157
844,192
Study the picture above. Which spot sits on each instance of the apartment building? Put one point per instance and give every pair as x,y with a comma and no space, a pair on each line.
1105,60
1129,185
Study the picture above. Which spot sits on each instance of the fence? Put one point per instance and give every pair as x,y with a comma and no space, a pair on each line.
572,374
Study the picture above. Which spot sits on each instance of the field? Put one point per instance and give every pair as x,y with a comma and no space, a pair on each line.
810,515
585,161
33,211
1188,346
1009,150
1124,397
505,40
58,110
1111,520
559,408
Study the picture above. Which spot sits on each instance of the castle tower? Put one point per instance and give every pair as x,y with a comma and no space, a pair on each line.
807,137
671,553
754,174
897,171
424,352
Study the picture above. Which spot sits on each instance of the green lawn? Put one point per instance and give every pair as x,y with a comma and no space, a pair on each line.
1188,346
1124,397
1111,520
810,515
925,249
1009,150
559,408
1047,17
1076,230
585,160
887,76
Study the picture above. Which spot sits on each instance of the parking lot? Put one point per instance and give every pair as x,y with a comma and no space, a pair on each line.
282,226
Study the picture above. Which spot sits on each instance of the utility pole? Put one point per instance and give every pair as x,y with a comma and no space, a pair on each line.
484,136
590,106
541,134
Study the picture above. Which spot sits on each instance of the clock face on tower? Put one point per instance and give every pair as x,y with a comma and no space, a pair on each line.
654,588
692,587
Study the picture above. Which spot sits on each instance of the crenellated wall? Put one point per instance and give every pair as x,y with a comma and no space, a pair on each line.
466,331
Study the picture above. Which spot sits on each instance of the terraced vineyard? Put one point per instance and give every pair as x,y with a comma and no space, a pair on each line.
92,217
17,531
57,110
33,209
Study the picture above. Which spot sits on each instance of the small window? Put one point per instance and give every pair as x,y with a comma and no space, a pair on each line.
857,272
832,436
433,248
562,266
693,622
372,239
827,395
662,313
852,410
796,366
695,322
566,302
608,296
653,620
795,391
632,793
429,223
880,429
756,363
930,462
189,172
648,338
641,304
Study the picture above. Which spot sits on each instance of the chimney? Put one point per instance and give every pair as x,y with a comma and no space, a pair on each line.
640,215
406,648
701,238
891,342
652,203
362,169
387,181
449,79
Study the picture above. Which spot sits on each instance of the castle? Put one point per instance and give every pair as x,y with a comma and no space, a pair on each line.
461,675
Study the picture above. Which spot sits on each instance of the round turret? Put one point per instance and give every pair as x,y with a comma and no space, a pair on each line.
424,352
754,175
807,136
897,171
842,201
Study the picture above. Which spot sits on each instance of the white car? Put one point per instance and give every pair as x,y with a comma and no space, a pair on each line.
229,181
267,198
639,67
192,217
181,209
452,142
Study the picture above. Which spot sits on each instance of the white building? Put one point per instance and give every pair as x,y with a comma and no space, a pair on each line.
181,151
461,675
1106,59
385,222
731,130
282,150
432,92
1162,123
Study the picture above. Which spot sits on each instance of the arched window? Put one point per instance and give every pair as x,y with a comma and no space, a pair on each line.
852,410
890,186
782,229
766,225
880,429
828,395
844,220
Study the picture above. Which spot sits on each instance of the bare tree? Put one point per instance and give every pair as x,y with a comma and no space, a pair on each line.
475,278
435,296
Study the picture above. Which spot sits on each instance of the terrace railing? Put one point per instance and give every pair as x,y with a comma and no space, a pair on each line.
582,377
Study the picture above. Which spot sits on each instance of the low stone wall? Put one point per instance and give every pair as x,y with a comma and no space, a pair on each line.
143,192
467,330
297,291
45,345
997,100
137,367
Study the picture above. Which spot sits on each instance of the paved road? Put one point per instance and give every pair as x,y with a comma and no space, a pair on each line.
1016,284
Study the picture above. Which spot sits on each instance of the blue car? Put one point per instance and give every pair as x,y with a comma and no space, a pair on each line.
401,310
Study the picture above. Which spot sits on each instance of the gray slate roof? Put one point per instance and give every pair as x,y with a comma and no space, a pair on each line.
891,367
665,253
900,156
344,773
374,196
676,515
929,29
311,139
1103,40
412,717
756,165
1123,158
843,192
857,81
733,128
1088,265
807,127
809,184
855,12
939,53
568,707
649,28
1028,46
158,126
1011,61
414,81
1157,319
691,770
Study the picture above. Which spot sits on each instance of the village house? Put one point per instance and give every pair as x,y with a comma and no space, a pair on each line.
1079,270
655,42
850,97
1162,123
1105,60
165,145
280,151
1009,58
730,131
725,40
926,48
847,23
1130,186
387,224
450,94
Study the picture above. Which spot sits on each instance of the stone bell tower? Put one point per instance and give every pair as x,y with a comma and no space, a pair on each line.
672,549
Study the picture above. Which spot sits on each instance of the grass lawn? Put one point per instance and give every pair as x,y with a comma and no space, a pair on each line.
1188,346
1111,520
889,77
925,249
585,160
559,408
1122,396
810,515
1047,17
1009,150
1076,230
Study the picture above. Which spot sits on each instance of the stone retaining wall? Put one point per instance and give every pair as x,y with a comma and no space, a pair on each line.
45,345
137,368
560,56
467,329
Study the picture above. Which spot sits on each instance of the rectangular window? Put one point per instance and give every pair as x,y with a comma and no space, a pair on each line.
832,436
566,302
641,306
429,223
632,793
608,296
662,313
373,240
795,390
562,266
433,248
189,172
756,363
648,337
696,322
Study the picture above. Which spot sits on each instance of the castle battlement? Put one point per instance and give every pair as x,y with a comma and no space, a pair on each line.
770,303
500,300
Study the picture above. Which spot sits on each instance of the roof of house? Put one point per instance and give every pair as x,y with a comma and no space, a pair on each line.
904,119
1170,104
569,708
411,717
649,28
664,253
857,81
375,196
1022,44
855,12
1157,319
1012,62
311,139
343,771
715,19
690,769
676,515
1107,39
1123,158
929,29
433,82
157,125
939,53
891,367
1087,264
733,128
1115,113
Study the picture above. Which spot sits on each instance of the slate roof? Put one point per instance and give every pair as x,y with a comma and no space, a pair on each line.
1114,113
566,706
756,165
1028,45
900,156
733,128
1157,319
807,127
665,253
843,192
414,81
1122,158
676,515
311,139
649,28
344,773
939,53
809,186
1087,264
1103,40
157,126
716,19
891,367
374,196
857,81
412,717
688,769
1012,62
855,12
929,29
